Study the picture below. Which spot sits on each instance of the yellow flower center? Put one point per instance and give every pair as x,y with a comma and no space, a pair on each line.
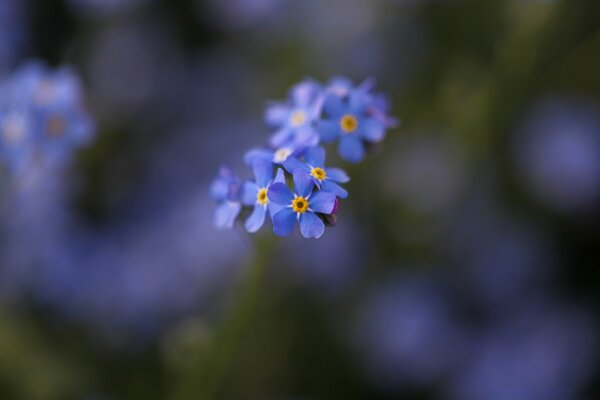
261,197
298,118
300,205
282,154
56,126
318,173
348,123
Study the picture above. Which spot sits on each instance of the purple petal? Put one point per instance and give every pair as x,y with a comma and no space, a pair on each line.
249,193
334,106
263,172
322,202
279,193
226,213
311,226
337,175
351,148
292,164
303,183
372,130
284,221
256,220
331,186
277,114
315,156
329,130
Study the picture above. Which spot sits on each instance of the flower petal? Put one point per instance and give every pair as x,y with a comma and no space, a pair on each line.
337,175
249,193
226,213
256,220
322,202
256,154
311,225
334,105
351,148
372,130
331,186
277,114
284,221
281,136
279,193
303,183
292,164
279,176
305,92
315,156
329,130
263,172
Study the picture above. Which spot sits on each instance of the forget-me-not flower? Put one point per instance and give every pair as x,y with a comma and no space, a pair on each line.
256,194
225,189
300,205
277,156
314,164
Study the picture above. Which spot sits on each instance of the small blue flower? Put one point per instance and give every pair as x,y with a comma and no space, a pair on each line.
314,164
225,189
277,156
256,194
294,119
301,205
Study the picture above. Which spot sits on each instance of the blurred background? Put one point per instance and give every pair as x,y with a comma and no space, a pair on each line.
465,262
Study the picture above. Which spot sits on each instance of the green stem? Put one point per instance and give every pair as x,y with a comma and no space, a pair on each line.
208,367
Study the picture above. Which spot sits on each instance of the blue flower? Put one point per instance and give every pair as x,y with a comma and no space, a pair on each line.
277,156
294,119
356,115
301,205
256,194
225,189
314,165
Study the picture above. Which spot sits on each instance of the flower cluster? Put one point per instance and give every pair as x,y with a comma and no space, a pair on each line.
42,118
314,114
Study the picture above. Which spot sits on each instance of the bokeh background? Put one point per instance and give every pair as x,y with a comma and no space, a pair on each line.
465,264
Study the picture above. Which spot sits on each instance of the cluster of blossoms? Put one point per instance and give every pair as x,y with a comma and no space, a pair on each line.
42,118
314,114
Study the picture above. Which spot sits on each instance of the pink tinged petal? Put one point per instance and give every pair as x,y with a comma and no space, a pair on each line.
263,172
279,193
311,225
315,156
351,148
331,186
280,137
284,222
249,193
277,114
292,164
226,213
256,220
372,130
279,176
337,175
322,202
329,130
303,183
334,105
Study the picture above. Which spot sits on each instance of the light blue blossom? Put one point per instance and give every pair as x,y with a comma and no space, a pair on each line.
302,205
314,164
225,189
256,194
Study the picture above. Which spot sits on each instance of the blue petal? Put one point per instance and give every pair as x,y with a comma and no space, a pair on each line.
256,154
311,226
329,130
315,156
219,189
303,183
372,130
351,148
226,213
263,172
337,175
305,136
322,202
280,137
279,193
284,222
305,92
277,114
334,106
331,186
279,176
256,220
274,208
249,193
292,164
340,85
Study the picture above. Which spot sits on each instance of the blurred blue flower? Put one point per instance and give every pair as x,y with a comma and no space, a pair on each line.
354,116
226,190
256,194
314,165
294,119
301,205
277,156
